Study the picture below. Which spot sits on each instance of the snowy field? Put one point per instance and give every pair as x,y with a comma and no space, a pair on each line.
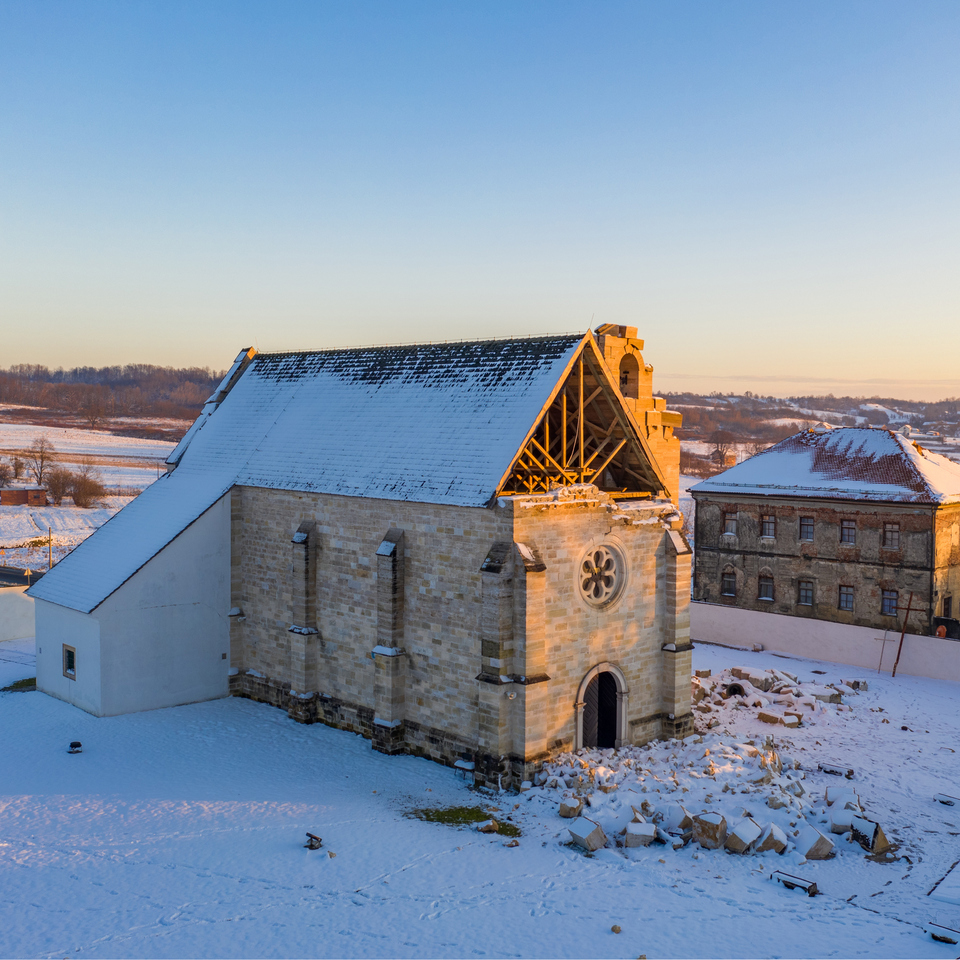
179,833
125,465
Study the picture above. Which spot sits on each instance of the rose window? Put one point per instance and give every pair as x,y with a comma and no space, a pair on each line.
601,575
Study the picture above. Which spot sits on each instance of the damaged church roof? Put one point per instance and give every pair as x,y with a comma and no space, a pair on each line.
845,463
431,423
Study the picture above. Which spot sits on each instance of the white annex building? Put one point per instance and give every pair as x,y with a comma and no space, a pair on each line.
468,551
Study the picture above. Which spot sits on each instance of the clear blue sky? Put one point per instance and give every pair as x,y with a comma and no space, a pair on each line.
770,191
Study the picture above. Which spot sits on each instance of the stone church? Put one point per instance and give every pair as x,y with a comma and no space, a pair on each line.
467,551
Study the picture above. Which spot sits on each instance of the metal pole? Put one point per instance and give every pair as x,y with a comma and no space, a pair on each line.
900,648
49,548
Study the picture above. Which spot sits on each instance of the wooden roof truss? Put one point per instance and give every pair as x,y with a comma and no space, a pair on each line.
585,435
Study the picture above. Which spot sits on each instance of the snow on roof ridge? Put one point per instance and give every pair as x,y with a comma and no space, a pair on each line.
421,343
846,462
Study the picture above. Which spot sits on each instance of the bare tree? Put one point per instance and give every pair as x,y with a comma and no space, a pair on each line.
88,488
722,440
41,455
59,483
757,446
6,472
17,468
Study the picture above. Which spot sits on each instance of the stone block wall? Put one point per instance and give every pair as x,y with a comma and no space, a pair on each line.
457,633
866,565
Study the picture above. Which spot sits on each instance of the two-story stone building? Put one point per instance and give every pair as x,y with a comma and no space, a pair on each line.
469,551
837,524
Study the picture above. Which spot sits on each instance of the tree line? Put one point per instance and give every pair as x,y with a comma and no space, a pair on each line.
99,393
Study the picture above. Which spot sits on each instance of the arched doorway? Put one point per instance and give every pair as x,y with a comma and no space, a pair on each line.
630,376
600,712
601,708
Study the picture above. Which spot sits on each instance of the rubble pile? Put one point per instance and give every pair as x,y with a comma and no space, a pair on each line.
712,789
773,696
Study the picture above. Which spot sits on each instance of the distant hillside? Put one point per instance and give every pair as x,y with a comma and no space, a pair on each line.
99,395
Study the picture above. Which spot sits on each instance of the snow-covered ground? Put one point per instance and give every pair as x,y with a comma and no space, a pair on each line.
179,833
125,465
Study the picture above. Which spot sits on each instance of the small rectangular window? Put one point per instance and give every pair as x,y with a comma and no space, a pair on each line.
846,598
848,531
888,605
765,588
768,527
805,593
947,607
891,536
806,528
728,585
69,662
730,524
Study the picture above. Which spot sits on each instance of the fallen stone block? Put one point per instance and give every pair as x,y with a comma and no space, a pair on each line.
525,786
869,835
607,787
744,836
673,817
703,707
710,830
841,820
842,795
766,716
673,840
812,844
775,803
836,769
823,694
773,838
941,933
795,788
489,826
791,720
809,887
571,809
702,674
639,834
587,833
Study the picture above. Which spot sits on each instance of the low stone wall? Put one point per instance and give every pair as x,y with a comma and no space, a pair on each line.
16,614
864,647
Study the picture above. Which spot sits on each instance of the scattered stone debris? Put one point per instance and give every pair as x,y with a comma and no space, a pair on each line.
836,769
869,835
588,834
615,928
710,830
812,844
941,933
571,808
488,826
744,836
809,887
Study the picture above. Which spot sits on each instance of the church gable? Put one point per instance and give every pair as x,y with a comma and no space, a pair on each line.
585,435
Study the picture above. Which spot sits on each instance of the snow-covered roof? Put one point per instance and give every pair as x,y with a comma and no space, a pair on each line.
845,463
434,423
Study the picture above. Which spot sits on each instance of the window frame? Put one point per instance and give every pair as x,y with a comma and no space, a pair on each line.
891,536
730,519
69,655
763,581
728,575
946,606
844,592
804,522
847,526
886,595
768,526
805,587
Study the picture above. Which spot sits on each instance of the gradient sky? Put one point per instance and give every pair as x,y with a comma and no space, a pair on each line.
770,191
